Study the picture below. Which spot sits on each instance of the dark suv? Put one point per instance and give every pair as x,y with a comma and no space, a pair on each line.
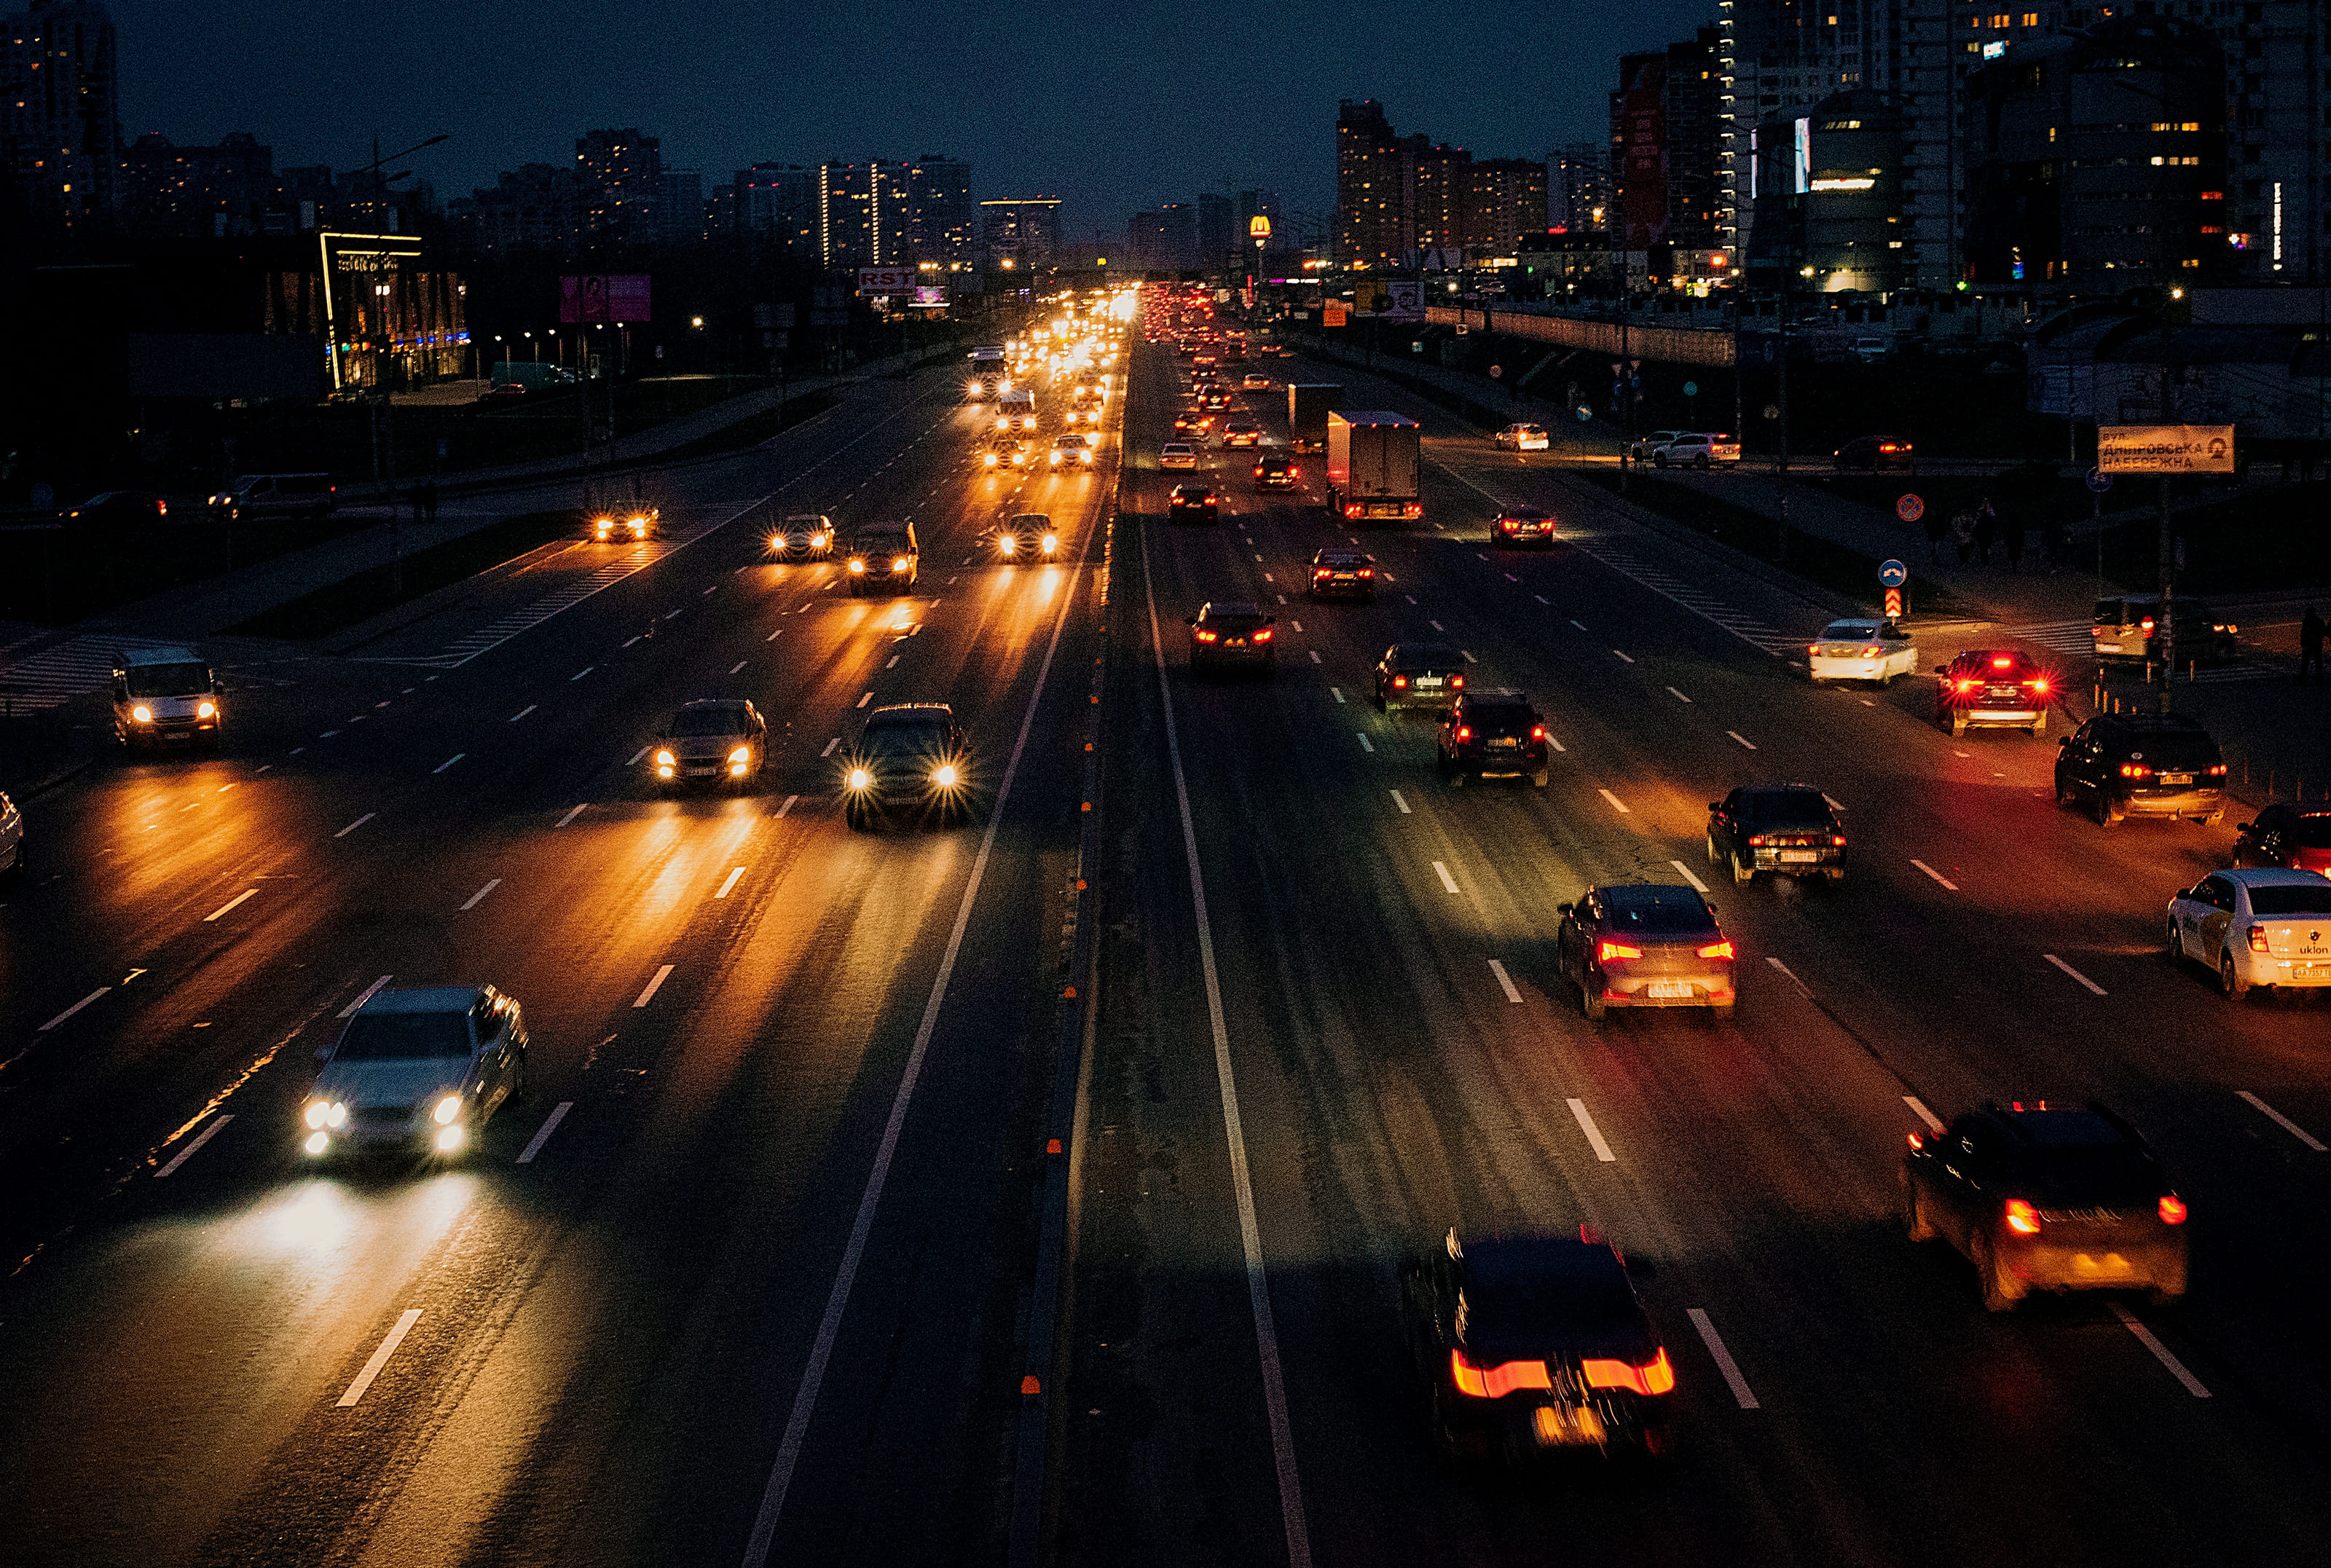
1227,631
1192,504
1785,829
1340,570
2047,1197
883,557
1418,675
2126,764
1493,734
1991,688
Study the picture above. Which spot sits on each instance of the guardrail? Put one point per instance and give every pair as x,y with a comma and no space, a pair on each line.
1664,344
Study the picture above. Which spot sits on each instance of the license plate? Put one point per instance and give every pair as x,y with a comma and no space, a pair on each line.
1663,989
2111,1266
1422,680
1561,1425
1799,857
1505,742
2177,778
2001,693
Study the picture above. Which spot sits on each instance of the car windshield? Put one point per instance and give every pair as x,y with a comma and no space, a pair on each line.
404,1037
2292,899
700,721
907,737
1799,808
1657,910
168,679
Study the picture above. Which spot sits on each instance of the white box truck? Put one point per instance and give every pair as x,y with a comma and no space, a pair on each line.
1372,459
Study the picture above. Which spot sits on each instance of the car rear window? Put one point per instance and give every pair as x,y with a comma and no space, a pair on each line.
2092,1176
1804,807
2312,833
1416,656
708,721
1235,621
404,1037
2292,900
1659,911
1850,631
2171,752
2108,613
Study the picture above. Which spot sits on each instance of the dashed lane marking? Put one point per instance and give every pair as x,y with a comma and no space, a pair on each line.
1741,1393
1593,1134
2284,1121
1617,805
2160,1353
1400,800
654,986
405,1322
1686,872
1505,980
200,1138
1919,1108
480,896
2093,989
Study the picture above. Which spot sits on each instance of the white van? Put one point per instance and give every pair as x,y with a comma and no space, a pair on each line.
278,496
1016,410
166,696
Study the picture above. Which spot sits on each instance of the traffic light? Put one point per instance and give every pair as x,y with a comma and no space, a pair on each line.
1893,603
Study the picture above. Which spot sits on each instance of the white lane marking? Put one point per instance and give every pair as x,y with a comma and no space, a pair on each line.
353,826
773,636
1791,974
1505,980
131,976
1869,702
683,610
716,587
1722,1357
731,882
1469,655
1542,599
2284,1121
449,762
628,642
1684,872
1593,1134
1441,870
570,816
1743,739
892,665
550,1125
829,1328
1835,804
1580,624
654,986
1622,656
2093,989
1257,1283
788,805
2160,1352
865,699
478,897
1937,875
522,712
230,904
1679,696
1934,1122
1409,597
364,996
405,1322
77,1006
1366,744
584,670
1337,693
1617,803
1315,656
261,769
1554,743
1297,624
740,664
829,746
1437,626
326,736
1401,802
223,788
1511,578
200,1138
635,757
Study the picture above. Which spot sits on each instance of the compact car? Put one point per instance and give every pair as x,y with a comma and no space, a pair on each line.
910,756
1783,829
2255,927
1339,571
2286,835
803,536
1418,675
1232,633
1523,438
1192,503
1493,732
416,1070
1874,651
1519,525
713,740
1992,689
1645,944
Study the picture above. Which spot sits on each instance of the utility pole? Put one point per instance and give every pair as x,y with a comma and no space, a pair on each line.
2168,538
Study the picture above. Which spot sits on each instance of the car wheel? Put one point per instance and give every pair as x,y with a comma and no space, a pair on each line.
1743,871
1591,1005
1999,1293
2100,810
1700,462
2230,979
2066,796
2175,948
1541,777
1712,856
1958,725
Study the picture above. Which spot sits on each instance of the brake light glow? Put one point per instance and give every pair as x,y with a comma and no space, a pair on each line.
1205,636
1537,732
2134,770
1399,680
1967,684
1917,1141
1497,1381
2038,685
1606,951
2258,934
1353,511
1412,509
2172,1209
1756,841
1456,680
2217,770
2023,1218
1263,635
1464,732
1654,1376
2145,625
1317,573
1837,839
1717,949
1367,571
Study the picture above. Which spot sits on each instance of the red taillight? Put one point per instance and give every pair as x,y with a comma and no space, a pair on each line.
1456,680
1606,951
2002,664
1837,839
1263,635
1295,473
1353,511
1510,524
1367,571
1319,573
1654,1376
2257,939
1966,685
1756,841
2134,770
1537,732
1204,635
2023,1218
1917,1141
2172,1209
1413,509
1399,680
2096,630
2217,770
2145,625
1717,949
1464,732
2038,685
1497,1380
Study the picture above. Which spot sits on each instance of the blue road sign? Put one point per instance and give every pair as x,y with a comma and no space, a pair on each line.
2100,481
1691,389
1892,574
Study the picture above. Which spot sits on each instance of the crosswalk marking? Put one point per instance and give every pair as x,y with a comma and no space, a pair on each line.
57,674
2077,637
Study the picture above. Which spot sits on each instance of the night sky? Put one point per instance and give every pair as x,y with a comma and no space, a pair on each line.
1111,106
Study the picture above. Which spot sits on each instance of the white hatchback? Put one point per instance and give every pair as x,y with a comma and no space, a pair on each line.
2255,925
1875,650
1523,437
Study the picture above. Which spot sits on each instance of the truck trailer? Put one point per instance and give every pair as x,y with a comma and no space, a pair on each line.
1372,462
1307,407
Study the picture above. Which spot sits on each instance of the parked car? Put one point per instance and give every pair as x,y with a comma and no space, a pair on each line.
1640,451
1523,438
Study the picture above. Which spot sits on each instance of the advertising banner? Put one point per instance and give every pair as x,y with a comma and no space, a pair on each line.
1404,300
885,279
620,298
2165,449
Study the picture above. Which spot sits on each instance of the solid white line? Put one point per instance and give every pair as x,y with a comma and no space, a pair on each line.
405,1322
1723,1357
731,882
478,897
740,664
1505,980
788,805
1469,656
1257,1283
1937,875
1743,739
230,904
363,996
588,668
2094,988
865,699
522,712
829,1328
534,1147
635,757
353,826
654,986
1398,800
570,816
1698,886
2284,1121
1934,1122
200,1138
1441,870
829,746
2160,1352
1622,656
1615,800
1679,696
450,761
77,1006
1366,744
1593,1134
1790,972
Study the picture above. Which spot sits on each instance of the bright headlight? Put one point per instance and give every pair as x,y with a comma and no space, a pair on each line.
945,776
859,778
448,1110
207,711
142,714
898,563
1051,543
817,541
317,1110
991,460
318,1143
861,566
1006,544
451,1138
664,758
742,753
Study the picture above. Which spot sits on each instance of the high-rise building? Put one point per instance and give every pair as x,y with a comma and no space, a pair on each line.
216,191
1828,203
535,206
776,205
1665,152
943,222
1439,180
1372,204
1578,187
60,115
1023,229
1508,200
1215,239
623,176
864,216
679,207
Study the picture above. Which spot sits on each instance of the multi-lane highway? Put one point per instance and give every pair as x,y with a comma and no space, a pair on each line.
1331,1029
741,1278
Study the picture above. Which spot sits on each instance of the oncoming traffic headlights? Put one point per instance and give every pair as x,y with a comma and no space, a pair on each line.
207,711
321,1113
898,563
740,760
859,779
446,1111
1051,543
857,565
1006,544
946,775
142,714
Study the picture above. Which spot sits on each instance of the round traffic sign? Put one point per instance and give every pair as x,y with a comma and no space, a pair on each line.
2100,481
1771,411
1584,414
1496,371
1911,508
1691,389
1892,574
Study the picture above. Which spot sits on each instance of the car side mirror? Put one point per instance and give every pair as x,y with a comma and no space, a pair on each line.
2064,742
1942,670
1565,909
1716,806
